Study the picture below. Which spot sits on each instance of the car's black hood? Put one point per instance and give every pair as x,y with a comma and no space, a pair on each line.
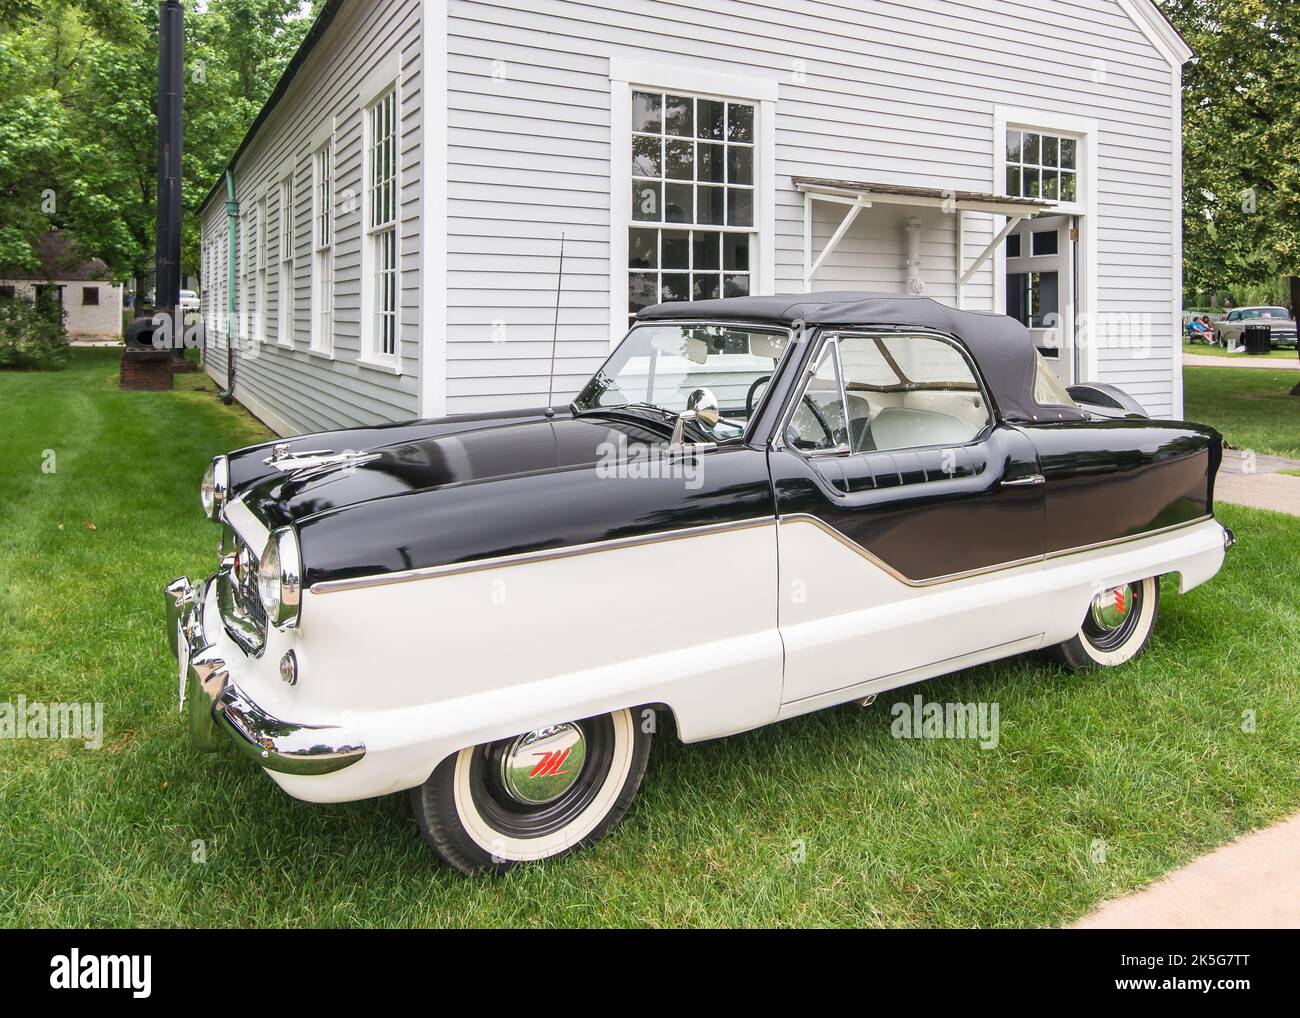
387,462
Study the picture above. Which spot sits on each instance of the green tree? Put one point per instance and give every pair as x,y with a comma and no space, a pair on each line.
1241,143
78,141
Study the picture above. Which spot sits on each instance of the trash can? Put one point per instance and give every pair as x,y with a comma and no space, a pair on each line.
1257,339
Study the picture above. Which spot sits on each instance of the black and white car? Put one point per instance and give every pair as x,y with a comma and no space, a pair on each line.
758,507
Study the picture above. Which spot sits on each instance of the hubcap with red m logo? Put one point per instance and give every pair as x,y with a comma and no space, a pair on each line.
541,766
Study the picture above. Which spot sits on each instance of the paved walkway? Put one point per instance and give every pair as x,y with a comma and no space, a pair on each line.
1258,484
1200,360
1250,883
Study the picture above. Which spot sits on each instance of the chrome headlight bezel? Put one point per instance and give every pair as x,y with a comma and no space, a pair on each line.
279,578
214,487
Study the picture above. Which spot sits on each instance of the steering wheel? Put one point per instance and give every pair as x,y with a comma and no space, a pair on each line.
749,396
818,416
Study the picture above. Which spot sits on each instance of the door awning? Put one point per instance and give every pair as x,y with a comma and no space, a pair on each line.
925,197
861,194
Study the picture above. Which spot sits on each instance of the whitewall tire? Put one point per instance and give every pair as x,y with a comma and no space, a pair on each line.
1118,625
533,796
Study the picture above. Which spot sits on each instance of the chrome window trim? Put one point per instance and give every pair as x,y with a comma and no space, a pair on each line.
835,334
746,435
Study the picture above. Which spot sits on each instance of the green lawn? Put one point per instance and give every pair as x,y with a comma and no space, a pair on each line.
1099,783
1253,408
1284,353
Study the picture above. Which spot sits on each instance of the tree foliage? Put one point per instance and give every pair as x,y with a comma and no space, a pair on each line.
78,126
1241,142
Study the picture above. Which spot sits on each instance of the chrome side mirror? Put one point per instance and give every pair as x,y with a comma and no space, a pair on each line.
702,406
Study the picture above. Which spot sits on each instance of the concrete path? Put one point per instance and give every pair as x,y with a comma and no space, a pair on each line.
1257,483
1250,883
1241,360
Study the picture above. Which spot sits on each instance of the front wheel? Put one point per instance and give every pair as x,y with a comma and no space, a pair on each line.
535,795
1116,629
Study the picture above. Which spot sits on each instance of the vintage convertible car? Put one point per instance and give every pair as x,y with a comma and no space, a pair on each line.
758,507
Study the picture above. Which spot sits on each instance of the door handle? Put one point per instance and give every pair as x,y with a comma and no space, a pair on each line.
1025,482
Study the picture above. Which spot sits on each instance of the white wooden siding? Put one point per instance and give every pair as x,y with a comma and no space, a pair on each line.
297,390
897,92
902,92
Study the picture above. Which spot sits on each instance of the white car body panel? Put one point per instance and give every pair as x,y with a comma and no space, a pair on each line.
712,653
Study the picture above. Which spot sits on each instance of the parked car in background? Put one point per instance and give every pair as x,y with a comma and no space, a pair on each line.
189,300
490,611
1228,332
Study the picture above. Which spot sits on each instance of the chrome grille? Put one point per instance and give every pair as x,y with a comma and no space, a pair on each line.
238,598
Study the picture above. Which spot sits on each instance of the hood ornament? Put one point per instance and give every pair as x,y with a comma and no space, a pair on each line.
287,461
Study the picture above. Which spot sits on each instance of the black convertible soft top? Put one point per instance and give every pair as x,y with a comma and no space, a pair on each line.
1001,346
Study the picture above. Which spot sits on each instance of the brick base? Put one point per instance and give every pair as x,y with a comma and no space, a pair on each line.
180,367
148,370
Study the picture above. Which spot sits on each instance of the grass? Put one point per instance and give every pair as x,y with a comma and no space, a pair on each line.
1150,761
1253,408
1285,353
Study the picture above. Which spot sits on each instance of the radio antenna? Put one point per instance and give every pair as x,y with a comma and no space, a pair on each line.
555,331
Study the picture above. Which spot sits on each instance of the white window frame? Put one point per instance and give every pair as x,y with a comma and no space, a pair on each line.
284,275
629,75
323,225
259,269
242,265
1086,130
385,80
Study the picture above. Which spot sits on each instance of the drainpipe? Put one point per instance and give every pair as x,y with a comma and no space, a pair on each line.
915,284
232,219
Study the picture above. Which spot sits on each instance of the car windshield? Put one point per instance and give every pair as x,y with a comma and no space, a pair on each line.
1265,313
662,366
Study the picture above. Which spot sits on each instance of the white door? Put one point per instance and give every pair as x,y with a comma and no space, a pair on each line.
1040,287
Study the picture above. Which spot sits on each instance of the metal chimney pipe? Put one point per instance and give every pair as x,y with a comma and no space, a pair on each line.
171,98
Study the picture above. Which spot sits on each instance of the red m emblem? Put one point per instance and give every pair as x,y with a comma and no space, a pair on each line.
550,763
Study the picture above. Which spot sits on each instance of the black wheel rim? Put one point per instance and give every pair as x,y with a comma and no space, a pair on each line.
1112,637
515,819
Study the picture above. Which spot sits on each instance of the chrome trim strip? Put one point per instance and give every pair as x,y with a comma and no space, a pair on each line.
874,559
853,545
545,555
1132,537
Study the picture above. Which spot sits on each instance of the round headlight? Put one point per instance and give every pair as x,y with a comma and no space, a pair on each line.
212,492
279,578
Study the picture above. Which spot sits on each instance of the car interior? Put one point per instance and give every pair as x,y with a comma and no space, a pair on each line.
899,392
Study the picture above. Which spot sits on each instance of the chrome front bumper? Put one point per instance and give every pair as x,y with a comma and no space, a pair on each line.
218,710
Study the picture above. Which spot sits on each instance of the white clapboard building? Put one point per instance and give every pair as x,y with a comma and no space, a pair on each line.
398,204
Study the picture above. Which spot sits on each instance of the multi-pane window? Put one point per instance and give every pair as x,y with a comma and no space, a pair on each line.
381,204
284,294
693,198
246,272
259,258
1042,165
322,249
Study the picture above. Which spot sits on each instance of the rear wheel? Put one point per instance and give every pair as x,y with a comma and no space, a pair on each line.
1117,627
532,796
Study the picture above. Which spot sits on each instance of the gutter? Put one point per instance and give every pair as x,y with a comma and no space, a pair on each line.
232,217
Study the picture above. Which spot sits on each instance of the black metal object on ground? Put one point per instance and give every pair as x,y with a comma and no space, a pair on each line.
1257,339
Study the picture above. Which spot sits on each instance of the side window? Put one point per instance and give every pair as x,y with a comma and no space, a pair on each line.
907,392
817,424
